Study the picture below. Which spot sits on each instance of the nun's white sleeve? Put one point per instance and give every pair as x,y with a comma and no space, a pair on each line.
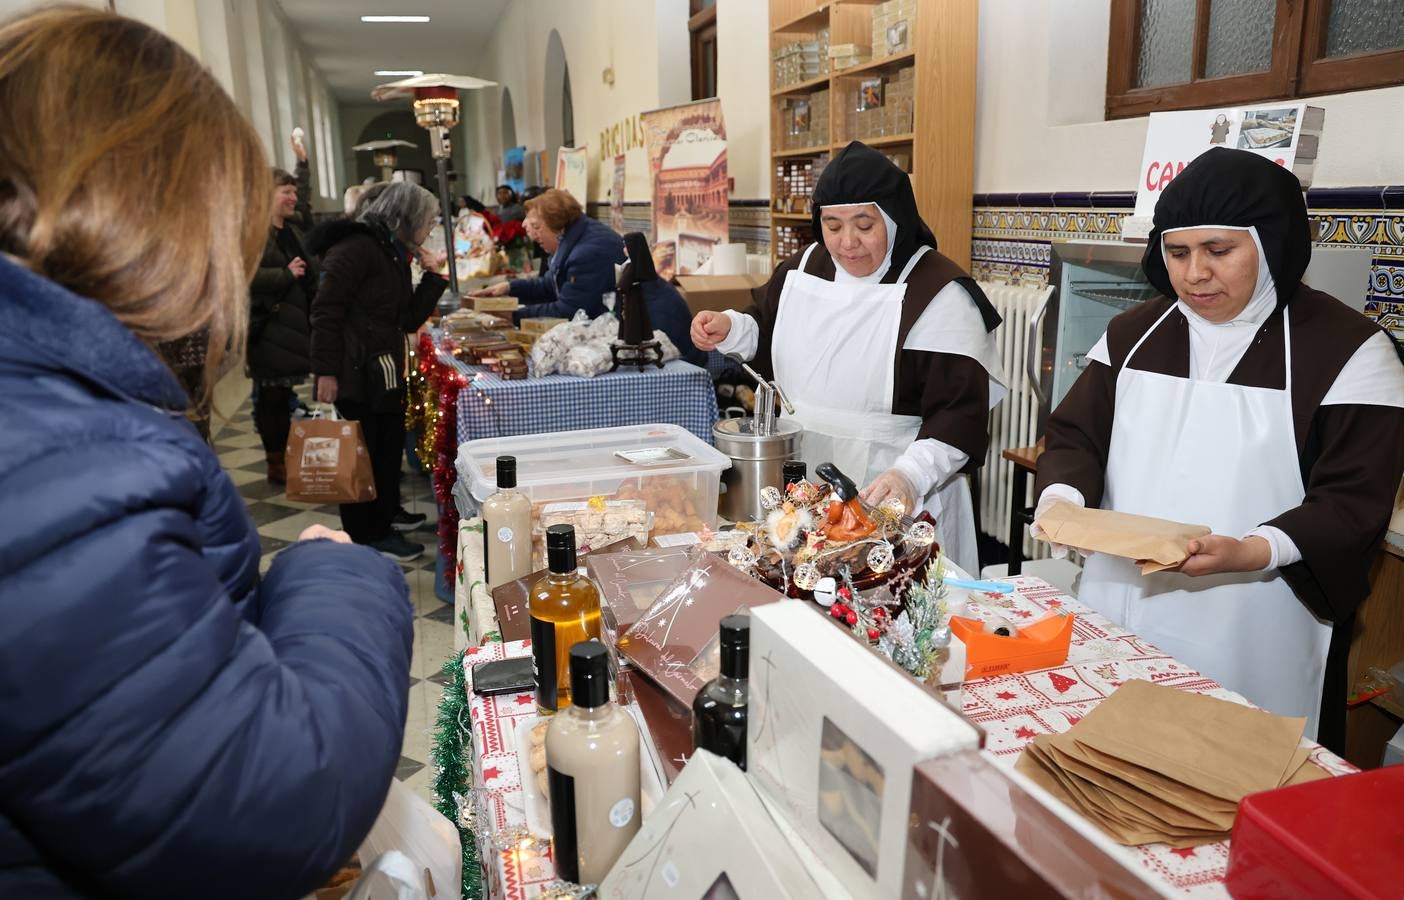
744,338
928,463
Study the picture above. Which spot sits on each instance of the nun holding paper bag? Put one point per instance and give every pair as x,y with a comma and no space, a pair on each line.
883,345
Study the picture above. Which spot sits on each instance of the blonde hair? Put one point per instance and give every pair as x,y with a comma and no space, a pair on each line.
556,209
128,176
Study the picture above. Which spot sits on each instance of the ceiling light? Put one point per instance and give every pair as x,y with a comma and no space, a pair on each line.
394,18
403,73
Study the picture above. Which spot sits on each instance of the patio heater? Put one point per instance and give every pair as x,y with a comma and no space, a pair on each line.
436,110
385,154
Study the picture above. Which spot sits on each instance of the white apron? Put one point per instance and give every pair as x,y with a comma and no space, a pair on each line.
833,352
1225,456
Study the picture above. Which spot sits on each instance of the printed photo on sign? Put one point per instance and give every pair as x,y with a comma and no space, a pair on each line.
320,453
850,795
1264,129
687,164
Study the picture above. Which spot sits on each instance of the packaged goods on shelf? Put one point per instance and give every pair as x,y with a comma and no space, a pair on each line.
893,24
843,56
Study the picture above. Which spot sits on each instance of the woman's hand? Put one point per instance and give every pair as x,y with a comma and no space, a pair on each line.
709,329
1215,553
298,266
316,532
299,148
891,483
501,289
431,260
326,388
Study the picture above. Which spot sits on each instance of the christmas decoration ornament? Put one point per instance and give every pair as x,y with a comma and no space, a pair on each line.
806,576
825,591
893,506
770,497
741,557
880,558
922,533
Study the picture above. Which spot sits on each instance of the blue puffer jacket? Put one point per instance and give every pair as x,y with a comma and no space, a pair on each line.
170,724
580,273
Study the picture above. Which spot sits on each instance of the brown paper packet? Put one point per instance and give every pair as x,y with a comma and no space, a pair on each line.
1032,764
1120,534
1182,815
1221,748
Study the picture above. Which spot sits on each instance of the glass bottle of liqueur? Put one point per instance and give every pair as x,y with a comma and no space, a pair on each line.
565,609
592,773
506,528
794,470
719,709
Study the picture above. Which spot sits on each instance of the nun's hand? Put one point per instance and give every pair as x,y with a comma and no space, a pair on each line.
1215,553
709,329
891,483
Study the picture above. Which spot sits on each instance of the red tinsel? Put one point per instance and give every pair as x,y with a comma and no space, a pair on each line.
446,383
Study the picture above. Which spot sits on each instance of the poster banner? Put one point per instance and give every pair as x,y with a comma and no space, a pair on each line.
540,163
571,170
514,161
616,196
687,164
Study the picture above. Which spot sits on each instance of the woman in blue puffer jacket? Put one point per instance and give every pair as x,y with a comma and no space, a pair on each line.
171,724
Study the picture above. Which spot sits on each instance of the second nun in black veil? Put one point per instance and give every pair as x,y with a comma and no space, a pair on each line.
883,344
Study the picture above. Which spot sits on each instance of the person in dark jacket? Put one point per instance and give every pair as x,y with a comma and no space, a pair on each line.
365,306
583,251
509,205
171,724
668,313
280,299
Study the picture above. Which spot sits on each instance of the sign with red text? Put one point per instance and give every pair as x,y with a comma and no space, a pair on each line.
1286,133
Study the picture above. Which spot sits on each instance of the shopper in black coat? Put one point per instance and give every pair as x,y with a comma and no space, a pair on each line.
365,305
280,298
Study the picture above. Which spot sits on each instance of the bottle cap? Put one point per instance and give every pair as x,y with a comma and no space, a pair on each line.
794,470
735,646
589,674
506,472
560,549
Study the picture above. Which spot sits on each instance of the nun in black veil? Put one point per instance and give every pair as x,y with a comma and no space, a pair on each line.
1246,401
883,345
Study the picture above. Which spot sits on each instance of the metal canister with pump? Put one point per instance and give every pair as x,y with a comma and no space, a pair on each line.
759,447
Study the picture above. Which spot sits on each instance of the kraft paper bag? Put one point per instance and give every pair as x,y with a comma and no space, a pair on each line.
1159,543
327,462
1155,764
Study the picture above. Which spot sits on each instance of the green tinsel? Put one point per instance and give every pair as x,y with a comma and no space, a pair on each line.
453,773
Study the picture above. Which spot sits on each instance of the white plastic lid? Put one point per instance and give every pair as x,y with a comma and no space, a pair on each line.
584,457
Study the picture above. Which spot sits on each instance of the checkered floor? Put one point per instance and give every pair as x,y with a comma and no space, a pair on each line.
280,521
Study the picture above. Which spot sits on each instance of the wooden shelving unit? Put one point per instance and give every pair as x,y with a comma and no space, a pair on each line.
941,144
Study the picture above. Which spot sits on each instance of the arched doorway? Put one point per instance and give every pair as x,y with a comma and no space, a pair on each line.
557,105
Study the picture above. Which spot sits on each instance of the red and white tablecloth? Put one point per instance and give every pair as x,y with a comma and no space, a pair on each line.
1012,709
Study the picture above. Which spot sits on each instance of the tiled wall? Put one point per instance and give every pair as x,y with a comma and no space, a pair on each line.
1013,235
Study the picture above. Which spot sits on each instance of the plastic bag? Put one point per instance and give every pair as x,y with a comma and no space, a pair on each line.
413,852
588,360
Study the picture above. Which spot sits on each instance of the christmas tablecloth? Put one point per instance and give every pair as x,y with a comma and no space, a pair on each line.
1012,709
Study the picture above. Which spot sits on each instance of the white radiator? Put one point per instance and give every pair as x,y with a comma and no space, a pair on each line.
1014,422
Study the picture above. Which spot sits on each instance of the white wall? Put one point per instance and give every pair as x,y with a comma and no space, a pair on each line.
646,43
249,48
1041,89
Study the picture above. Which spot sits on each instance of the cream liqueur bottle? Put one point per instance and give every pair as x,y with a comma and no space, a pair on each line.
592,772
506,528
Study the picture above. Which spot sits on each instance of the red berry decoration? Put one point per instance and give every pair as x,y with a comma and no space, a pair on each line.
880,612
873,634
851,618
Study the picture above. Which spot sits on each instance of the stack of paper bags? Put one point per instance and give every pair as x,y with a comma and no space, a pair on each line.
1155,764
1157,544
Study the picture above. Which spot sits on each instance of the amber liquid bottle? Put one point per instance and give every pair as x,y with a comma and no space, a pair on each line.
565,610
719,709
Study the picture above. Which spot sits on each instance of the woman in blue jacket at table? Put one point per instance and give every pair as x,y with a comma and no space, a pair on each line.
171,723
584,253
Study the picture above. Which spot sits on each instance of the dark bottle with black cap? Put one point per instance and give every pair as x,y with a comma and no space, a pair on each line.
794,471
565,609
592,773
719,709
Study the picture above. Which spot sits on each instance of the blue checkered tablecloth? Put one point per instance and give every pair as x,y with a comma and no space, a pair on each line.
678,394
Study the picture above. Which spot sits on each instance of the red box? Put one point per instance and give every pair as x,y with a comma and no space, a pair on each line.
1338,837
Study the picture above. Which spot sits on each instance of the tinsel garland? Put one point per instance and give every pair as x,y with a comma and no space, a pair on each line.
453,744
433,413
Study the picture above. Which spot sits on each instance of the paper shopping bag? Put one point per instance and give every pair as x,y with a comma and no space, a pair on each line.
327,462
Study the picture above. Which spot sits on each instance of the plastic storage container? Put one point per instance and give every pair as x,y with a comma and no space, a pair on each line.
679,480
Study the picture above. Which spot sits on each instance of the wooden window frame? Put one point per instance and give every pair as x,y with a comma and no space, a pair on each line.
702,27
1297,69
